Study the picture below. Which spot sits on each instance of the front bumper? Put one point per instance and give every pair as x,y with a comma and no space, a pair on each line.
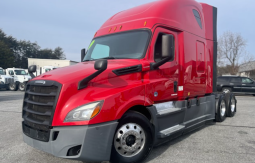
95,141
4,85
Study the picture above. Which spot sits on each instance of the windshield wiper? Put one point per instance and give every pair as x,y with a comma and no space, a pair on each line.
99,58
109,58
91,59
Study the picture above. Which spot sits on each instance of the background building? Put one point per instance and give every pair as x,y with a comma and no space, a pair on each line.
50,62
247,69
42,64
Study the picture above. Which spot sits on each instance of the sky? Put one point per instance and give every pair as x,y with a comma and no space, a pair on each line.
72,24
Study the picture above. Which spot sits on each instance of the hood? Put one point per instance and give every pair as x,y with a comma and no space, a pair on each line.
23,77
5,76
77,72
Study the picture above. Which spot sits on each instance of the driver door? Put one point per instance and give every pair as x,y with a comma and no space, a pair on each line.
164,80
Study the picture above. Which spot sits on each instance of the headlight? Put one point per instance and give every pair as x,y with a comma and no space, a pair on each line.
85,112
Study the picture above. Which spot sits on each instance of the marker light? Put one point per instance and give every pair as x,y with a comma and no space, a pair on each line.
85,112
115,28
145,23
120,27
110,29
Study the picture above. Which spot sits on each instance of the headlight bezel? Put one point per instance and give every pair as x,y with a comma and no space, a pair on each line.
90,110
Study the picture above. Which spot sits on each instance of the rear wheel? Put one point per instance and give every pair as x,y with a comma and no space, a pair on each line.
13,87
231,106
221,109
226,89
22,86
133,139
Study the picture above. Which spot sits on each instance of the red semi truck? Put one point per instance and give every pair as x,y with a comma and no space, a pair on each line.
148,76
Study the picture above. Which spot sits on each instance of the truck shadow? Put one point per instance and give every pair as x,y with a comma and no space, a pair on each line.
161,149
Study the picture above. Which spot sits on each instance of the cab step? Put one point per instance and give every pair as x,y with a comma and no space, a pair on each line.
169,131
169,111
167,108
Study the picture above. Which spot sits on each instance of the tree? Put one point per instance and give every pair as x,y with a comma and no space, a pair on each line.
17,52
6,56
58,52
46,54
230,48
28,49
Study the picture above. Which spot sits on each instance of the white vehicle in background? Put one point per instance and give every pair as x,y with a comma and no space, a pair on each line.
6,81
44,69
20,77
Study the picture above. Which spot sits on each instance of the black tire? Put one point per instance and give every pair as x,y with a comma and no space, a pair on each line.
226,89
231,105
22,86
221,112
117,155
13,87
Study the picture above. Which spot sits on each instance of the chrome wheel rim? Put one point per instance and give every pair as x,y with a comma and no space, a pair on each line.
22,87
233,104
129,140
226,91
222,108
12,86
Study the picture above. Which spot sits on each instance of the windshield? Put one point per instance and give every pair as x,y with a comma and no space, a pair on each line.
131,45
2,72
47,69
20,72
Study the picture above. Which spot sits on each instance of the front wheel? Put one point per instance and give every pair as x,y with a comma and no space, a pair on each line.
13,87
22,86
133,139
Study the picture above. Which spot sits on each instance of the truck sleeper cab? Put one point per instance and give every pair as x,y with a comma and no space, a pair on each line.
149,75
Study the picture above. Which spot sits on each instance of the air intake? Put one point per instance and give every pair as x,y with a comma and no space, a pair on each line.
128,70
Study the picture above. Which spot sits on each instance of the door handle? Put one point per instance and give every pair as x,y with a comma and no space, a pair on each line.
243,84
175,86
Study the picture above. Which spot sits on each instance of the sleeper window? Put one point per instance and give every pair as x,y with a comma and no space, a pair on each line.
198,18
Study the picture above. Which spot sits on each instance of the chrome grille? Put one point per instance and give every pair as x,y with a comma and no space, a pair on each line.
38,109
9,80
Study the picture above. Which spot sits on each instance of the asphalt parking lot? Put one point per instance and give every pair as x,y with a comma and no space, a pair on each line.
230,142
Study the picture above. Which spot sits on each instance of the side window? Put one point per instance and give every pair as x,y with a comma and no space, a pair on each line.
11,72
246,80
198,18
235,80
47,70
158,48
100,51
222,79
